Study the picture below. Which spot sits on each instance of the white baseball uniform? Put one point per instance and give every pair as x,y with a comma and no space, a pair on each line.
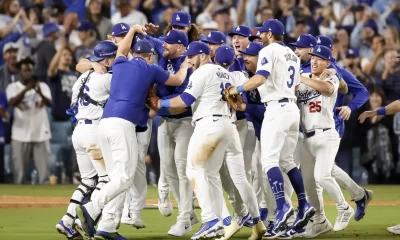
321,143
211,137
280,127
84,138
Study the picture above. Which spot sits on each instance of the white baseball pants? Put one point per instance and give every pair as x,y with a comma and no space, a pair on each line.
136,196
317,161
279,133
173,139
117,138
206,151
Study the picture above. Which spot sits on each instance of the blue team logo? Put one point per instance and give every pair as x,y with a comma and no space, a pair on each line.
264,61
190,85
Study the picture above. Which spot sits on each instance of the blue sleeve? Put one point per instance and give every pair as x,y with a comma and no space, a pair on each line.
77,6
13,37
187,98
263,73
338,74
3,101
157,43
360,93
182,87
160,75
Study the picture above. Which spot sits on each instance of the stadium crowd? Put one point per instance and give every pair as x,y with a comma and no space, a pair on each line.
42,40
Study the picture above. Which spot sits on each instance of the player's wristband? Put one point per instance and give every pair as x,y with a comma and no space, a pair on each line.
240,89
381,111
165,103
164,111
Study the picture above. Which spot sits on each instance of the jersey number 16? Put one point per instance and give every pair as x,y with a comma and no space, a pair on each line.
223,87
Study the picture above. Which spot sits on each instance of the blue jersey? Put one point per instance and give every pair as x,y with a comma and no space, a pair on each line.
130,83
3,105
238,65
360,96
254,109
172,66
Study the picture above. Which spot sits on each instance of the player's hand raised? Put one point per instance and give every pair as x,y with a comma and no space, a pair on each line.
345,112
365,115
139,29
151,28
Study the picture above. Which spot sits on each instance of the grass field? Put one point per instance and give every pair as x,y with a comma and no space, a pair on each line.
39,223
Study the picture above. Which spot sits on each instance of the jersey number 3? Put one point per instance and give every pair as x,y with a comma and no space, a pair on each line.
223,90
315,106
292,73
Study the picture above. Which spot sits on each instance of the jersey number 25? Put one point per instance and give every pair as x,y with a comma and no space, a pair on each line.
315,106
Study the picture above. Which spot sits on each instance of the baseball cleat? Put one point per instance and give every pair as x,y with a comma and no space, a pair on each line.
315,229
134,219
303,216
362,205
87,227
282,216
165,206
230,227
270,234
259,230
244,219
180,229
100,235
210,229
394,229
193,218
343,219
67,231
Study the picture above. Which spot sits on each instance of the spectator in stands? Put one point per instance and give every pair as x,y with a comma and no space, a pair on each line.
8,72
377,155
166,20
94,15
127,14
30,128
300,28
265,14
341,45
46,50
15,19
352,63
158,9
389,78
62,77
225,23
374,63
57,13
87,35
361,36
181,20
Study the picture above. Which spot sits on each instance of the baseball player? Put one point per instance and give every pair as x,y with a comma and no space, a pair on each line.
174,132
359,195
316,98
255,38
117,132
277,78
90,92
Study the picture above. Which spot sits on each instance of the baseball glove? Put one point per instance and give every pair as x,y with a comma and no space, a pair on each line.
152,98
234,101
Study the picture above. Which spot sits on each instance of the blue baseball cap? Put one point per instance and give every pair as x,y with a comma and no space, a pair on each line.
322,52
352,52
177,37
324,41
252,49
371,24
215,37
180,18
104,49
254,37
136,38
241,30
224,55
119,29
50,28
86,25
143,46
305,41
197,47
272,25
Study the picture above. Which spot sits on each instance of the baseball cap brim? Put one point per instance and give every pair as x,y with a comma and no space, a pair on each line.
252,38
318,55
247,53
170,42
119,34
180,24
299,45
231,34
188,53
209,40
95,59
260,29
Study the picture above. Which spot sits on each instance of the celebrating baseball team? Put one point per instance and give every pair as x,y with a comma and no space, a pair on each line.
256,120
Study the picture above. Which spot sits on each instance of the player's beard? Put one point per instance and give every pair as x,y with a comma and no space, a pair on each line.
265,41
